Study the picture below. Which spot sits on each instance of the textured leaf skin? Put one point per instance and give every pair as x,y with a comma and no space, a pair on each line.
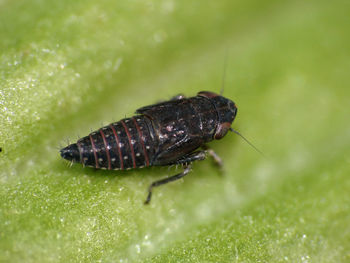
70,67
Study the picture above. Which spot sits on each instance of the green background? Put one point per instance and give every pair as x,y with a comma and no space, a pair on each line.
69,67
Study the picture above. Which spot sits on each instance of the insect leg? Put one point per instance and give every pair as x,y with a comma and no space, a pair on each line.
216,158
218,161
195,156
186,170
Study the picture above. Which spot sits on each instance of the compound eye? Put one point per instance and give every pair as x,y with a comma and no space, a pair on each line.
221,130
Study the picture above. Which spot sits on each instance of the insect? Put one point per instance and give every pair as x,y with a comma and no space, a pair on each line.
168,133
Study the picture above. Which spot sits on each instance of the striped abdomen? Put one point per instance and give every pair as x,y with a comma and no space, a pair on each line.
122,145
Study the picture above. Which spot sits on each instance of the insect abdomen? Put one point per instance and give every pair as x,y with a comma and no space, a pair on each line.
122,145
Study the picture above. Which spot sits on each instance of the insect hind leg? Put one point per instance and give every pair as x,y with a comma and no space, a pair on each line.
173,178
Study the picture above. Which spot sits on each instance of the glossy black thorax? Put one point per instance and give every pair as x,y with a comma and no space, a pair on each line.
184,125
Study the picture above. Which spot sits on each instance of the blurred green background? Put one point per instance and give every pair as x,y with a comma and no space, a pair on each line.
69,67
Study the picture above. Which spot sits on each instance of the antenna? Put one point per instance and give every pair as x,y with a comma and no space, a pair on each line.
224,73
236,132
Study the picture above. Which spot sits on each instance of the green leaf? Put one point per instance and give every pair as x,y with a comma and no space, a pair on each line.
67,68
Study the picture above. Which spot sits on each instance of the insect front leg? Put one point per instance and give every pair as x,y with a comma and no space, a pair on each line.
186,170
218,161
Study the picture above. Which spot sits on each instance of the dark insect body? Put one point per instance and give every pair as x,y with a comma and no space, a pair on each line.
161,134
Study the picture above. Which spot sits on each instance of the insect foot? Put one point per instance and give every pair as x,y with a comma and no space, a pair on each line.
173,178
